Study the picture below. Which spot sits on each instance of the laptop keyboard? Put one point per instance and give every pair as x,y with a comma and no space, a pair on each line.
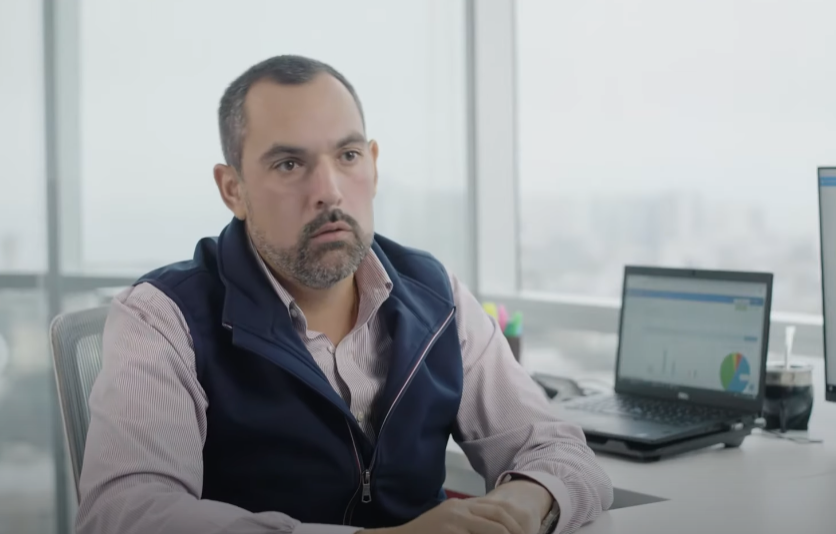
657,411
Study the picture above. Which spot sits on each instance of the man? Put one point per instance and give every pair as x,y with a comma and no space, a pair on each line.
302,374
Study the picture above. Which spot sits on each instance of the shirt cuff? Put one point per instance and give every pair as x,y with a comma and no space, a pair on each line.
555,486
316,528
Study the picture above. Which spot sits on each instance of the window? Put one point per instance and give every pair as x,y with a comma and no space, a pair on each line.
676,134
22,215
152,76
27,484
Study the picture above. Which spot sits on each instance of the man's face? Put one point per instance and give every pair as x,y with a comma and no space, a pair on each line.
308,179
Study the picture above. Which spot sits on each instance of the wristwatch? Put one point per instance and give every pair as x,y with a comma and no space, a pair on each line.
550,521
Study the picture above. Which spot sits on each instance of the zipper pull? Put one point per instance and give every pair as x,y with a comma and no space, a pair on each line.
367,487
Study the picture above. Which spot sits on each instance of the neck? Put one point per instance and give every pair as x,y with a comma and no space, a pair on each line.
337,300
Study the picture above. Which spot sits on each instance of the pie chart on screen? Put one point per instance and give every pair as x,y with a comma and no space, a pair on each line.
735,373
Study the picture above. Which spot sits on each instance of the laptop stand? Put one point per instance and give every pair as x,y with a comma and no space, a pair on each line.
647,453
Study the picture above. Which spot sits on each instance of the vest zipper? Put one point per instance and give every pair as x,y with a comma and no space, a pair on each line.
365,483
365,474
367,486
350,508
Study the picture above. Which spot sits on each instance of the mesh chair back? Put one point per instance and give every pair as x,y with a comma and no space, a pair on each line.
76,339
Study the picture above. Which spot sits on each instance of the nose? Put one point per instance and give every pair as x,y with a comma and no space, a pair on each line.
325,186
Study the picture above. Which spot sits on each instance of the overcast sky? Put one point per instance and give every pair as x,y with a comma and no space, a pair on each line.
732,98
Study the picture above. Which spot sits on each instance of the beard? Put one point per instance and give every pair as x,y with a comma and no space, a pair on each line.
316,265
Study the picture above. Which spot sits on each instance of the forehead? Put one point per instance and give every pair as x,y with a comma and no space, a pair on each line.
305,114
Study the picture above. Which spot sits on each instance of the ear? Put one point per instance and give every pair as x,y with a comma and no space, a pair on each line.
231,188
375,150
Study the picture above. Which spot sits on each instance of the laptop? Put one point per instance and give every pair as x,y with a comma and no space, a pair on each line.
691,358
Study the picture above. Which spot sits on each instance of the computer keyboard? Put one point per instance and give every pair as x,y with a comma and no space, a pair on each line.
658,411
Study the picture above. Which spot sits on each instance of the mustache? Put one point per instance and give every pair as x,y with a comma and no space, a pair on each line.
326,217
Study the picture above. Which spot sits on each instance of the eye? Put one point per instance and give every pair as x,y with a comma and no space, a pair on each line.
286,166
350,155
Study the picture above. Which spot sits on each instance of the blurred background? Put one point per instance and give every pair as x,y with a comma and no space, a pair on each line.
534,146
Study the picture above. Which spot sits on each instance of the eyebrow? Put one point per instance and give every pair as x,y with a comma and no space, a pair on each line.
281,150
287,150
354,138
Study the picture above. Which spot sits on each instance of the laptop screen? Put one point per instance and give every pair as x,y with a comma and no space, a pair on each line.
690,332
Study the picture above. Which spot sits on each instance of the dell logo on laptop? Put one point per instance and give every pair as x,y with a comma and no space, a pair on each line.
682,396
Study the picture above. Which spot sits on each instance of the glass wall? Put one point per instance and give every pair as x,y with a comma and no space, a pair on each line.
152,74
27,483
27,493
673,133
22,209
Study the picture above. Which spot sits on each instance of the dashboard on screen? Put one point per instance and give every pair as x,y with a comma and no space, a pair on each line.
693,333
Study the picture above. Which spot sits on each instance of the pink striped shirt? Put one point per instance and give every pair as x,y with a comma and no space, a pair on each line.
143,459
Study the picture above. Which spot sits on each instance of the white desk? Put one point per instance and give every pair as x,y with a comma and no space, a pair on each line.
801,506
768,485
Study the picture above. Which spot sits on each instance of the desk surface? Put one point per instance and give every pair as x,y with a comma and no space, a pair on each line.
768,485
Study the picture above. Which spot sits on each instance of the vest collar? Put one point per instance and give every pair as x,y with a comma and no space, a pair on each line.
252,303
413,315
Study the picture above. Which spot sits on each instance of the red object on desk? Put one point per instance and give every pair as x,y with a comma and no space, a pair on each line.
456,495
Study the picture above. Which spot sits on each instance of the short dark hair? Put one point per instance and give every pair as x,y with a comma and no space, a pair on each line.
285,70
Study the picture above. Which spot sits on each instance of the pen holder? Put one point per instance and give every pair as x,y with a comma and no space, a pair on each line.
514,343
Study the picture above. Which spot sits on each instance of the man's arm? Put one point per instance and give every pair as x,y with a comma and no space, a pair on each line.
505,426
143,461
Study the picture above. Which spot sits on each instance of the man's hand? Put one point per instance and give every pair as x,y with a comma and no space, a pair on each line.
527,501
458,516
516,507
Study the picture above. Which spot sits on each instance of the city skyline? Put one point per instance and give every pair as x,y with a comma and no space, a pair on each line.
590,242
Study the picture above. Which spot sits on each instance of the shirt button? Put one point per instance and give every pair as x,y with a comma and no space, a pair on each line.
360,417
331,349
294,313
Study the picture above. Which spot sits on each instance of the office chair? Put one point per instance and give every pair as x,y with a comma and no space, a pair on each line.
76,340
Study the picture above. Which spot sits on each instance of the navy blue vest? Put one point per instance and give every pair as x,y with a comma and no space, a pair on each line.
279,437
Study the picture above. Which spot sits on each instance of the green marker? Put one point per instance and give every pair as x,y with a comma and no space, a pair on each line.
514,328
